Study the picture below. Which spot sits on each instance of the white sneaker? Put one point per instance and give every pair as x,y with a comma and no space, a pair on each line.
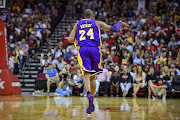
163,98
153,97
56,94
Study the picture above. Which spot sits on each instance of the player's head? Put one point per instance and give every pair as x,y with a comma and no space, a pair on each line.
88,14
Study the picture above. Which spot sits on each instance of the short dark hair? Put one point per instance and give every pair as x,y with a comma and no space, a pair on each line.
88,13
160,79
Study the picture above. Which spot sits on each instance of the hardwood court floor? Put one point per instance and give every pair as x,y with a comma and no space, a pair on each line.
28,107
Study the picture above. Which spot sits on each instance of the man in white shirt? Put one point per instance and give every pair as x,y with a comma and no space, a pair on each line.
103,79
138,59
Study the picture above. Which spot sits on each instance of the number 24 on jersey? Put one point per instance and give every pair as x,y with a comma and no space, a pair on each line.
89,33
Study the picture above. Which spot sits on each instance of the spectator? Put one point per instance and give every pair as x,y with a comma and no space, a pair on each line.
139,59
45,59
73,67
68,68
78,81
25,48
151,79
139,80
160,89
126,58
51,76
103,79
148,59
78,5
68,54
166,76
15,58
125,80
162,59
66,85
174,69
45,67
115,79
11,64
115,58
61,63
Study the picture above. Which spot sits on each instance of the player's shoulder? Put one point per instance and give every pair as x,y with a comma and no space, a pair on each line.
99,23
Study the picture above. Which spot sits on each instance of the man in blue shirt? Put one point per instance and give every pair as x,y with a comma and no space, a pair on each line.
68,54
51,76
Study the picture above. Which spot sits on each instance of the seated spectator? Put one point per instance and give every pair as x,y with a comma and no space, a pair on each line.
60,64
78,80
115,83
65,86
174,69
73,67
146,69
114,57
160,89
139,80
125,80
125,60
139,59
103,80
151,80
162,57
68,68
68,54
167,77
148,59
55,67
51,76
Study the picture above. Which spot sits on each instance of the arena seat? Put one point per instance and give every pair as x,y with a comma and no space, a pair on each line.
176,83
76,90
67,60
41,83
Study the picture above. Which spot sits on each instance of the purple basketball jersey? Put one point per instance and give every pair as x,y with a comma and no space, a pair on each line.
88,34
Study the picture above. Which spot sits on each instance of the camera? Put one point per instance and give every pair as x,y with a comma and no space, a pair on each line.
64,75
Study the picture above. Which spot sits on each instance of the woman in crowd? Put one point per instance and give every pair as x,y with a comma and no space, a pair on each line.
151,79
15,57
167,77
78,80
139,80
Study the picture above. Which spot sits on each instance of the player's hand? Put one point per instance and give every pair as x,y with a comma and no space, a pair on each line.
124,25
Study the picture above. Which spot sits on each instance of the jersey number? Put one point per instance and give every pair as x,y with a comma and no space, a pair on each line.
89,33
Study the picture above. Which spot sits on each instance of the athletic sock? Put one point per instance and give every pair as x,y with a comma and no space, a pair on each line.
88,92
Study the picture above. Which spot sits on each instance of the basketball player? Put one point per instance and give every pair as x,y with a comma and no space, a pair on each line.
87,39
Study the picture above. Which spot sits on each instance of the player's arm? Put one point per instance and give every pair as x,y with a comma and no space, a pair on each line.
114,28
73,34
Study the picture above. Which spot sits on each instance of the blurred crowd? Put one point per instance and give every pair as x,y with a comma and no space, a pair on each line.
144,55
29,24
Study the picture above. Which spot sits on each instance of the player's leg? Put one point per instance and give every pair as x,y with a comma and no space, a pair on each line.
85,63
93,85
87,76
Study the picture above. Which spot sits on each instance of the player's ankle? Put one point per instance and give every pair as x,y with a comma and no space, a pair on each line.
88,92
